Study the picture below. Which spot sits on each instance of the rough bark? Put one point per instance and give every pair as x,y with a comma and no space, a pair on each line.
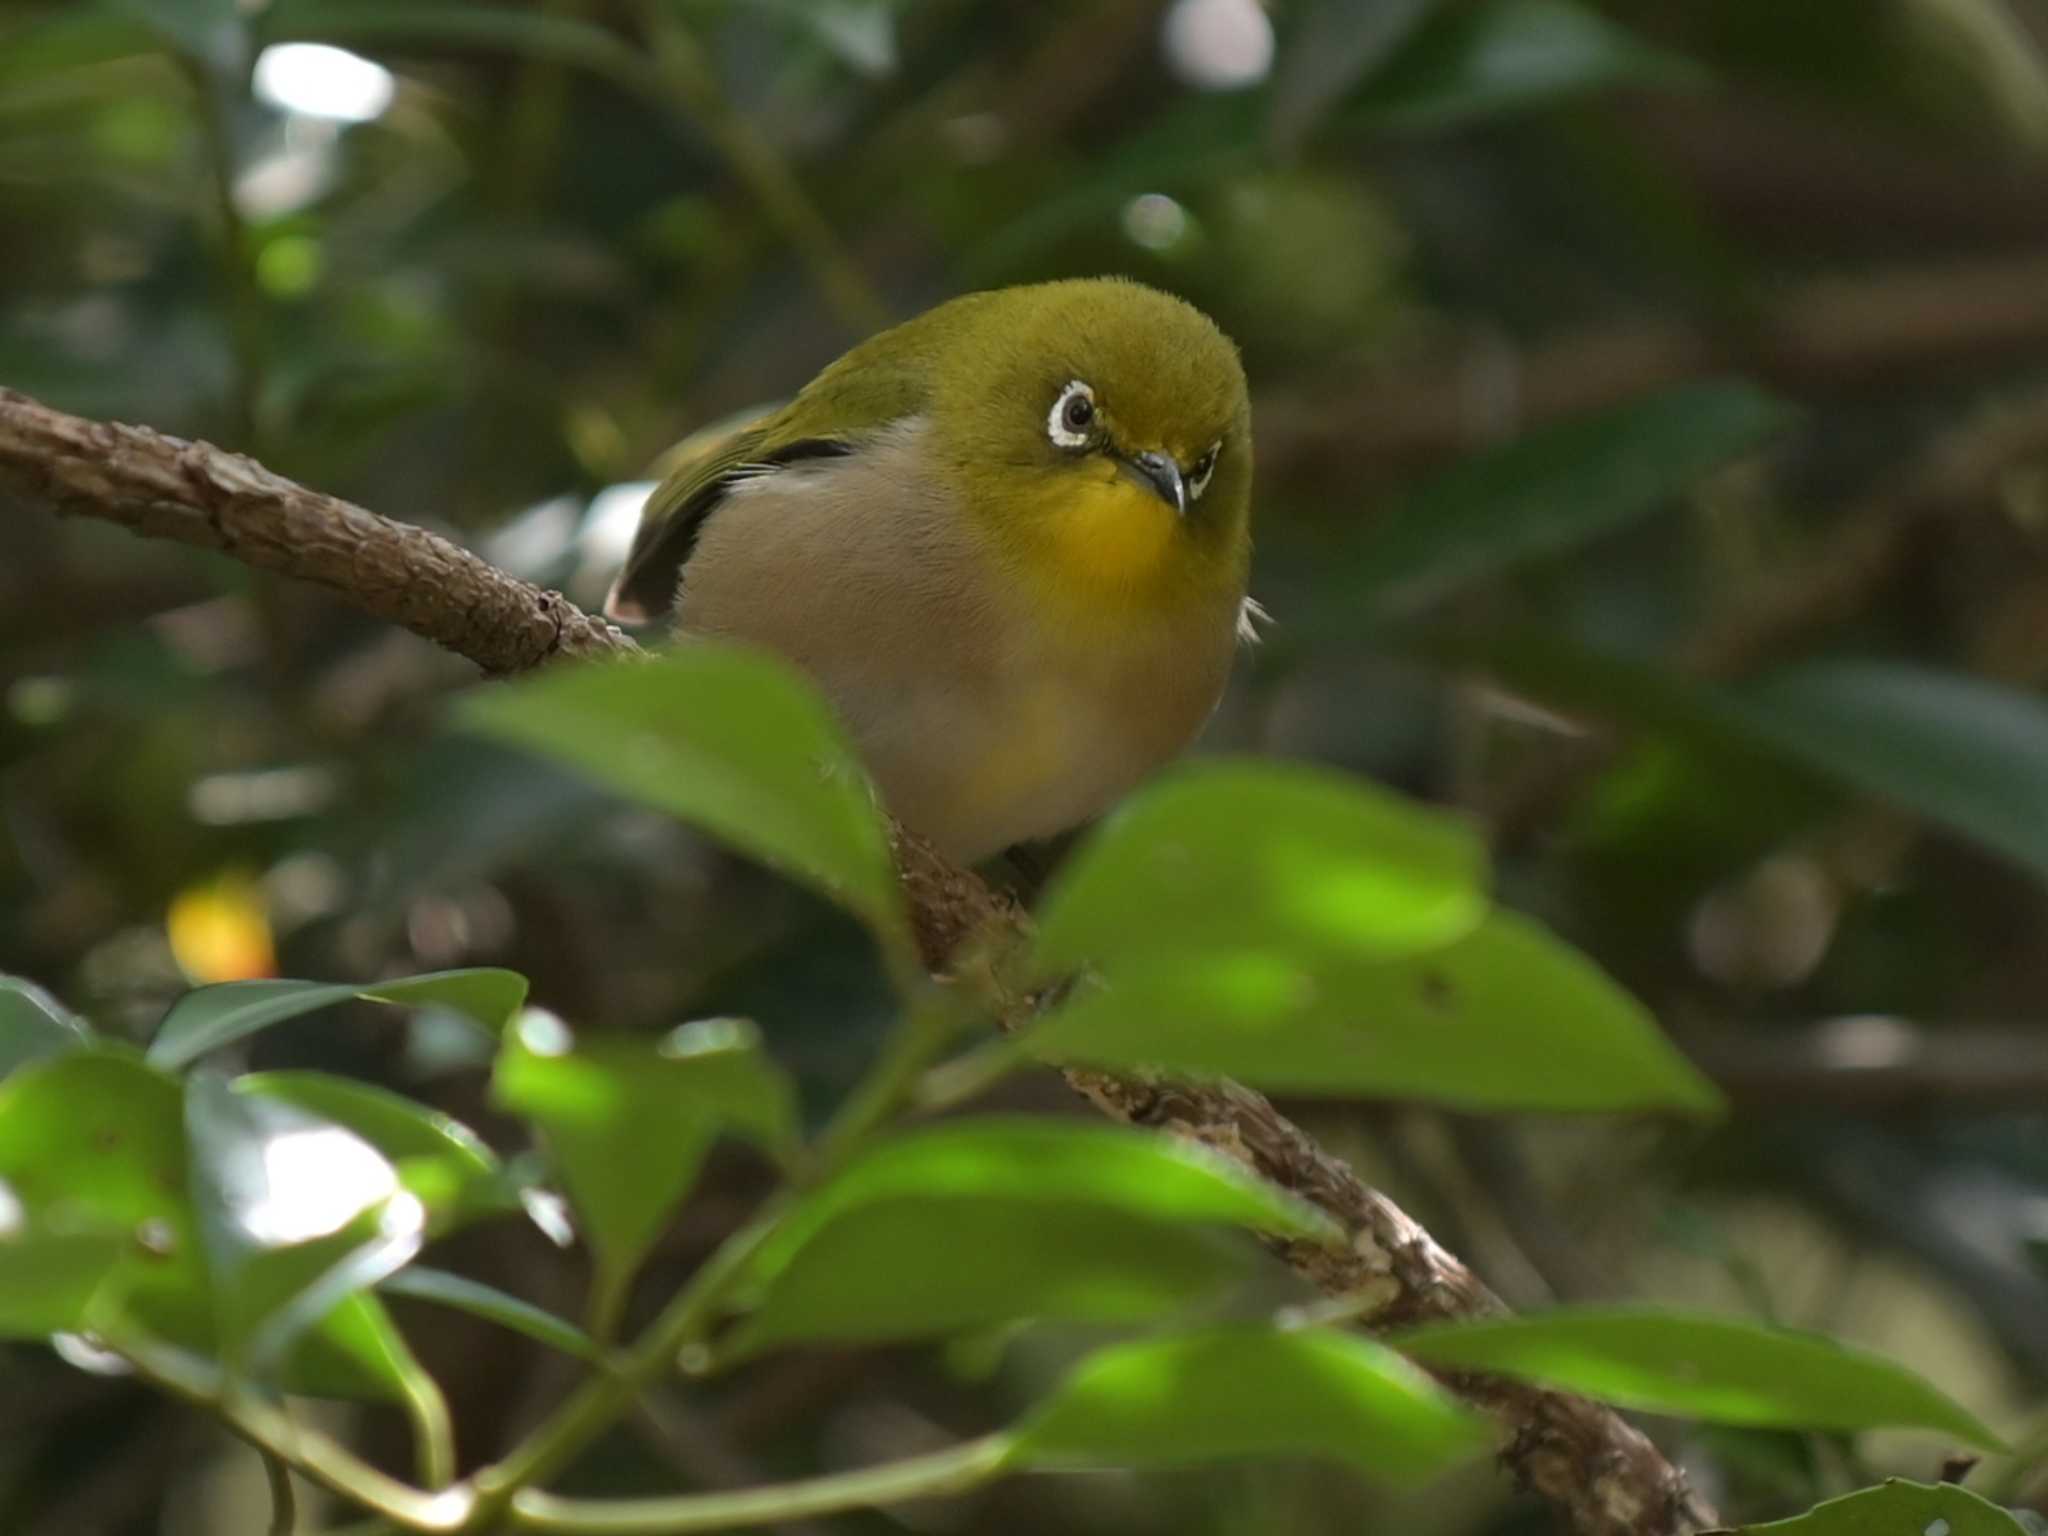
1601,1474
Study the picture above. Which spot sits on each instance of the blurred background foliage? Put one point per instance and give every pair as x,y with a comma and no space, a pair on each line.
1741,679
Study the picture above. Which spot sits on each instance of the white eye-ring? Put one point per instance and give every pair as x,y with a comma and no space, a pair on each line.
1200,472
1071,421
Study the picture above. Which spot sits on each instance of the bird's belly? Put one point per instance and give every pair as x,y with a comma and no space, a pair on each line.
977,769
983,720
977,752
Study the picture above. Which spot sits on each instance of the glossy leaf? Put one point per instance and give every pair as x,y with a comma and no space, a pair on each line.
981,1262
211,1017
356,1351
1699,1367
34,1024
296,1214
1912,1509
1560,487
1006,1219
1257,853
95,1141
1472,62
439,1159
729,740
1506,1017
629,1121
1053,1162
94,1138
492,1304
1964,753
47,1279
1242,1392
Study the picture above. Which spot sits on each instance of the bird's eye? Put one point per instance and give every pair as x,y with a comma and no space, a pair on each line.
1072,416
1199,473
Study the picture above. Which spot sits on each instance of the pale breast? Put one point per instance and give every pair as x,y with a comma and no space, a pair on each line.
983,723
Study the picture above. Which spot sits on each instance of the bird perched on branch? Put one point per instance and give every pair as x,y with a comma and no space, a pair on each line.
1009,538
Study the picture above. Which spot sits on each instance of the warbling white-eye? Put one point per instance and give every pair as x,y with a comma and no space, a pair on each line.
1009,538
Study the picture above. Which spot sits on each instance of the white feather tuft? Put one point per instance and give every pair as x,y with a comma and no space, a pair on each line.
1251,616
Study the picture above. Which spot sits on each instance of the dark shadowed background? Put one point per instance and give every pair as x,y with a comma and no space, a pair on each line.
1652,421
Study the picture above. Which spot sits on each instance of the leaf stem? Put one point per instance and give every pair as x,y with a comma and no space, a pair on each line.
327,1463
284,1504
953,1470
934,1019
968,1076
603,1399
600,1401
433,1433
2029,1456
244,301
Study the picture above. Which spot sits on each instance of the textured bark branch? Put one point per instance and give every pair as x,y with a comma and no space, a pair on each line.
198,494
1603,1476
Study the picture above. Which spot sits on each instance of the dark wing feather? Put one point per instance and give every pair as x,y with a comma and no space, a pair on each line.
884,379
675,514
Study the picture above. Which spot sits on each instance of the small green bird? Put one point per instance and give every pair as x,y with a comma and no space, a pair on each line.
1009,538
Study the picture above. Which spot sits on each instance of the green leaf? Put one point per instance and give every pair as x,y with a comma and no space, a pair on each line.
1008,1219
1253,853
1699,1367
415,23
730,740
211,1017
1241,1392
1472,62
628,1122
1060,1164
1911,1509
1560,487
75,37
296,1214
1965,753
492,1304
1960,751
34,1024
357,1352
1506,1017
981,1262
439,1159
95,1141
47,1278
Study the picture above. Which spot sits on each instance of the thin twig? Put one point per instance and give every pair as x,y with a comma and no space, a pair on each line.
1603,1475
699,1449
690,84
284,1504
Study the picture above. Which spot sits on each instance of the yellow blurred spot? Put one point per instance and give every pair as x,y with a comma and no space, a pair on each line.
220,931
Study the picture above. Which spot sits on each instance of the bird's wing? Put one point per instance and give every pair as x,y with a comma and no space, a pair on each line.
695,476
879,382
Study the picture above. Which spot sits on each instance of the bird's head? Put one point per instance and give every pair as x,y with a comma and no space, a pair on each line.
1102,431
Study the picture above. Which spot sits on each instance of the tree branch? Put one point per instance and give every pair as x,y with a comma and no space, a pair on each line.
1602,1475
198,494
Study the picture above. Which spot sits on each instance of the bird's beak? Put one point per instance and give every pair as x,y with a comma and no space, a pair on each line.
1161,474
